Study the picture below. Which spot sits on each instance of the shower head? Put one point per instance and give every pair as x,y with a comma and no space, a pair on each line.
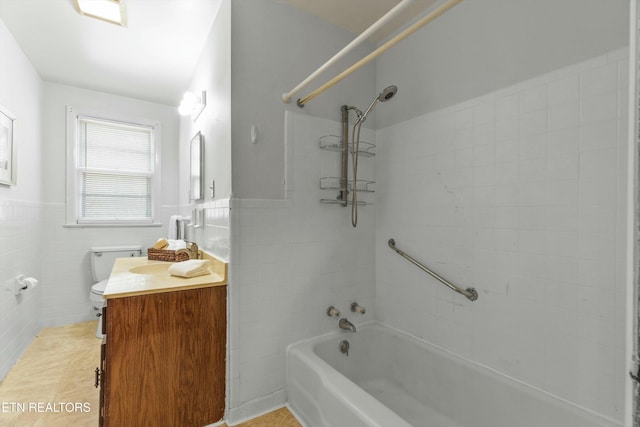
387,93
383,96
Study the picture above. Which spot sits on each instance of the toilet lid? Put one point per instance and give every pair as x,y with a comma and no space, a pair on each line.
98,288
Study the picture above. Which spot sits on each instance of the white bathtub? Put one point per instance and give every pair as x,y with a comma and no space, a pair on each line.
390,379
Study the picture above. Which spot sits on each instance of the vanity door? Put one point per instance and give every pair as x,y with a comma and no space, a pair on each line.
165,358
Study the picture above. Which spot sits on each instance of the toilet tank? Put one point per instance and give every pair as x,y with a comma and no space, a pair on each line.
103,257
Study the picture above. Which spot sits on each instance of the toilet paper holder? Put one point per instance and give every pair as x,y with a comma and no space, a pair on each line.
24,283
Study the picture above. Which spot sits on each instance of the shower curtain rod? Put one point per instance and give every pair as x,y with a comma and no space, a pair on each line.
380,50
286,97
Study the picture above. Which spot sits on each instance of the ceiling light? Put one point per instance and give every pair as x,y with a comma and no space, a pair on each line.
113,11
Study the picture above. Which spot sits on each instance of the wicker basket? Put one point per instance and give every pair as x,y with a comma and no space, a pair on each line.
166,255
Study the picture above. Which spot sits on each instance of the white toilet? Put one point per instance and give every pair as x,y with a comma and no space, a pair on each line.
102,259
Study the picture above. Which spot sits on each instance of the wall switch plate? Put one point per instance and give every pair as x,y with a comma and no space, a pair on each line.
212,188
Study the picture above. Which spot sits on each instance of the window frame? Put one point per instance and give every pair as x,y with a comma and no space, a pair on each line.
72,199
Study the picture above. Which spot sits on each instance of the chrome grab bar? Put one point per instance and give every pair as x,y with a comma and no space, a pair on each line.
470,293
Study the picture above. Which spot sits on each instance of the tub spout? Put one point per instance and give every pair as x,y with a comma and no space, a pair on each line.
346,325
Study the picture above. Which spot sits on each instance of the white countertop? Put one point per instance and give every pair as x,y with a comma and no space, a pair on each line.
123,283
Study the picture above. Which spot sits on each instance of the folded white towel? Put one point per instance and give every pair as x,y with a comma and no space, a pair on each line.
174,245
190,268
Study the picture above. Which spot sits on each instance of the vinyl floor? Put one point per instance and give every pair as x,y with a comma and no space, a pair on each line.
52,385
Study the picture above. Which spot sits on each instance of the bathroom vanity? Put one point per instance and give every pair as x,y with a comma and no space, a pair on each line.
163,356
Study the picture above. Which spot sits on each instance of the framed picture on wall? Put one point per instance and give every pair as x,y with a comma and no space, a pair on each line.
196,174
7,148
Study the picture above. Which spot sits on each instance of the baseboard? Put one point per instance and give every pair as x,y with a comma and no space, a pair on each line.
257,407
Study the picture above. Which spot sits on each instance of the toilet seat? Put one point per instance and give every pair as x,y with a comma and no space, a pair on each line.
98,302
96,295
98,288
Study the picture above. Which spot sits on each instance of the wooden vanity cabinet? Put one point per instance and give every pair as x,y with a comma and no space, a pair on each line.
164,359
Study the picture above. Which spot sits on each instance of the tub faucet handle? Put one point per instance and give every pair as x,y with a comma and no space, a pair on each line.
344,347
356,308
333,312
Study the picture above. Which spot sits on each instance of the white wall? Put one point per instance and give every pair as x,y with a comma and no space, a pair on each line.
519,193
20,205
291,260
66,262
291,256
274,48
34,241
212,74
484,45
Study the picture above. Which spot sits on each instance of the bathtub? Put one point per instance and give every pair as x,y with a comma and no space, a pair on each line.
390,379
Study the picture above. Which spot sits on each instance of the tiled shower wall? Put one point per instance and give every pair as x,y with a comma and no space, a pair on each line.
521,194
20,253
291,260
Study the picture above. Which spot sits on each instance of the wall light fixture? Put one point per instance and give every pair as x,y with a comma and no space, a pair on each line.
192,104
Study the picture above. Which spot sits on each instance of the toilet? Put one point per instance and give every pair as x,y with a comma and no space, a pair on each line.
102,259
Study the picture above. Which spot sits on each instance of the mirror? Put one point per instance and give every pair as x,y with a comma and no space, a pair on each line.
7,150
196,174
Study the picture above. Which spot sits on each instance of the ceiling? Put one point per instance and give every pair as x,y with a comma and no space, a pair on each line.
154,57
356,16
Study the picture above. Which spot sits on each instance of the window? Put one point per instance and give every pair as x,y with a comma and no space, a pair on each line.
111,170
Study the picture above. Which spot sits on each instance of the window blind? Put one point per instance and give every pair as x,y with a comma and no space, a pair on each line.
115,166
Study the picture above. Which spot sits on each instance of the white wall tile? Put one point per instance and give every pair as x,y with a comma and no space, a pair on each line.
507,107
532,99
533,146
21,253
564,115
464,118
484,113
595,81
68,280
293,259
602,134
563,142
564,90
533,122
483,134
506,129
507,151
565,167
599,107
542,242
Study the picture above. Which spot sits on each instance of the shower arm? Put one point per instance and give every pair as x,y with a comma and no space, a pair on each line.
362,117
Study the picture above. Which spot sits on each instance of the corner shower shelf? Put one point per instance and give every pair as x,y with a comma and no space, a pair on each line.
340,202
335,183
365,149
334,143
